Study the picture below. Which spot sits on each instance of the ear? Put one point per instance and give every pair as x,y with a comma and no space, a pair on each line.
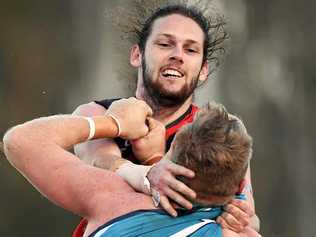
204,72
135,56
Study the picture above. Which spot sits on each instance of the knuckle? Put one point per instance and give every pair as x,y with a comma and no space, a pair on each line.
246,222
228,208
164,178
219,220
181,188
229,218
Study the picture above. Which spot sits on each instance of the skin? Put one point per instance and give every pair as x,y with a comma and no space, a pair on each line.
176,42
38,149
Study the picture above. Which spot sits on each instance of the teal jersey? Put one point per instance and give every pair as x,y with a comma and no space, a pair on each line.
156,223
198,222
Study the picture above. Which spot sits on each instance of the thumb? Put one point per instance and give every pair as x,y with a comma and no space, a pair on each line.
145,130
151,123
154,124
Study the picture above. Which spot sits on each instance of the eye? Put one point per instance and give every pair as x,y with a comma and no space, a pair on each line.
164,45
191,50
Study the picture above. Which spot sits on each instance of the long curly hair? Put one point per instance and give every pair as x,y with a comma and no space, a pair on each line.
135,23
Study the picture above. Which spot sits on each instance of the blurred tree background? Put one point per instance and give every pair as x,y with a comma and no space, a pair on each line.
55,55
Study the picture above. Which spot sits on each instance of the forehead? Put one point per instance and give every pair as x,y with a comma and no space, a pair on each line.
179,27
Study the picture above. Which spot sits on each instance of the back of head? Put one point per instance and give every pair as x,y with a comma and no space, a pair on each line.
217,148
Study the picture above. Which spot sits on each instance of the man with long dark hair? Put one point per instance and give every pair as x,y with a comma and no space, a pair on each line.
173,53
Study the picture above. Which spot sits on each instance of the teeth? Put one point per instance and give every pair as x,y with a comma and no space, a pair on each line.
170,72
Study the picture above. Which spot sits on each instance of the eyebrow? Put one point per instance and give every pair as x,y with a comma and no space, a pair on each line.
190,41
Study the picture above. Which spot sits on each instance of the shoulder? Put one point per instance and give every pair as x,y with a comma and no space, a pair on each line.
89,109
94,108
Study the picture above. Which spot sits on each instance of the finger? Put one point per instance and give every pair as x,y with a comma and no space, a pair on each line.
232,222
180,187
145,130
154,124
220,220
151,123
148,110
176,197
239,214
180,170
165,204
244,206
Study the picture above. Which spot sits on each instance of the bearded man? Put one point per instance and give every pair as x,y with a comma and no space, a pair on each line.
172,55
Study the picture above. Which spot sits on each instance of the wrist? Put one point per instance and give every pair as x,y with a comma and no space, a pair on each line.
92,128
152,159
118,163
136,176
105,126
116,121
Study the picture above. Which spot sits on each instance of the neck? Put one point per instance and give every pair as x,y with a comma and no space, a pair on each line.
164,114
168,114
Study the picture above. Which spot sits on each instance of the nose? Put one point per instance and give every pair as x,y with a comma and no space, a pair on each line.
177,54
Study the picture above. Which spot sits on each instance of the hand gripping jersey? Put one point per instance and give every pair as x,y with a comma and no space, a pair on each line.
199,222
126,148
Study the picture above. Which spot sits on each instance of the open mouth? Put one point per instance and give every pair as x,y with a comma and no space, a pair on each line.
172,73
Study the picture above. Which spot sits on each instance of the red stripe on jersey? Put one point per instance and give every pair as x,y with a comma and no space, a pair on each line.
187,119
80,229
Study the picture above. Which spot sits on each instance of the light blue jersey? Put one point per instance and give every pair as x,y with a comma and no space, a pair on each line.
156,223
198,222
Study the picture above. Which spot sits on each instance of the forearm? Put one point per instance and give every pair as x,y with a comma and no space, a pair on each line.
248,191
255,223
51,130
135,175
38,150
101,153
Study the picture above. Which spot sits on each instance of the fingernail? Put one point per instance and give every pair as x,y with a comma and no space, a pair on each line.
174,214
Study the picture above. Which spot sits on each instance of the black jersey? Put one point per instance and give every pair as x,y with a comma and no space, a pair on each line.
171,129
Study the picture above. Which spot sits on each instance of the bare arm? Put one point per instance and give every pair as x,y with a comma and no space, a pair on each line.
248,191
240,214
104,153
38,150
101,153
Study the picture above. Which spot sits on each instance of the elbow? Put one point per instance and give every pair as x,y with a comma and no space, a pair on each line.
12,141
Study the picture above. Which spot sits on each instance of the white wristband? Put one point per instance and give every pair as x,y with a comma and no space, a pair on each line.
91,127
117,123
136,176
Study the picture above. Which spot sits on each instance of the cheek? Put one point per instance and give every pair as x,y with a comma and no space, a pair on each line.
150,60
195,65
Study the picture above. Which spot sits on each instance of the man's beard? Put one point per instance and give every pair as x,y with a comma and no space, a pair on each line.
161,97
